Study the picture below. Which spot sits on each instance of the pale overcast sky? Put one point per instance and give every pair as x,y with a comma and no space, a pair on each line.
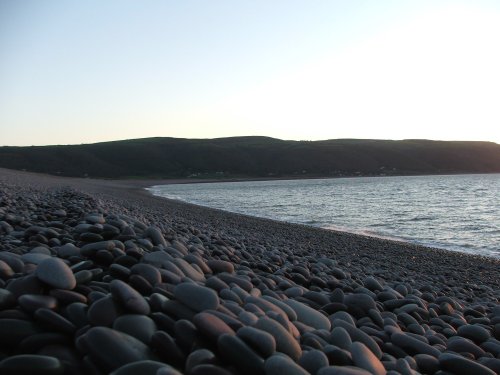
87,71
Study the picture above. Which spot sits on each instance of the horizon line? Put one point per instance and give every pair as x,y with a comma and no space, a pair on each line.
254,136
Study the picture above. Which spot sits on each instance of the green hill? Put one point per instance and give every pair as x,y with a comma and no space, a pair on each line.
253,157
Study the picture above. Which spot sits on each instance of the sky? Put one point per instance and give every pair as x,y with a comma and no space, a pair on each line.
75,72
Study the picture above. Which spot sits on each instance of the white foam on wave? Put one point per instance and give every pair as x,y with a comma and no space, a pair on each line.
366,233
159,192
464,248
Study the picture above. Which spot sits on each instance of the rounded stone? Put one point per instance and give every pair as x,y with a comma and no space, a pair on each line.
491,363
372,284
459,365
156,236
146,367
426,363
68,250
343,370
285,342
206,369
6,272
342,315
34,258
7,299
28,364
103,312
337,356
139,326
462,345
413,345
95,218
113,349
313,360
32,302
150,273
218,266
56,273
308,315
196,297
364,358
211,326
475,333
188,270
359,304
66,297
339,337
55,321
199,357
239,354
130,299
167,348
282,364
261,341
358,335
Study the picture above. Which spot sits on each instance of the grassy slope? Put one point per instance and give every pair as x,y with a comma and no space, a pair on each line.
254,157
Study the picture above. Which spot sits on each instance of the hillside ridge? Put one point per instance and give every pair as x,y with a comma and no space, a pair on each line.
254,157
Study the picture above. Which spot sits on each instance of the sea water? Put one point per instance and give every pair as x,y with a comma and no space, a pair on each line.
456,212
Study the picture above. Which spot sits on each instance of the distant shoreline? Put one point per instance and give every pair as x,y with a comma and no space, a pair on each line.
288,178
151,181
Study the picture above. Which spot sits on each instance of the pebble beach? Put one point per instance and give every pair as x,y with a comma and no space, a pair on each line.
101,277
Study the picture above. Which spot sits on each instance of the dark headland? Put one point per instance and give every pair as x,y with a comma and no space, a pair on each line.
100,277
254,157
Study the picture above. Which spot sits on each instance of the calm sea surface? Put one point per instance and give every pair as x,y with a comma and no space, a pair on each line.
460,212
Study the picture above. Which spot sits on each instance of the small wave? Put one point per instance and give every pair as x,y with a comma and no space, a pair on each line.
171,196
311,222
422,218
365,232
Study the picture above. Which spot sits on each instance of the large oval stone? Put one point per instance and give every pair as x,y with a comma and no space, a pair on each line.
308,315
282,364
27,364
359,304
211,326
236,352
261,341
476,333
196,297
129,298
413,345
364,358
113,349
285,342
218,266
7,299
342,370
142,367
459,365
313,361
358,335
32,302
139,326
56,273
340,338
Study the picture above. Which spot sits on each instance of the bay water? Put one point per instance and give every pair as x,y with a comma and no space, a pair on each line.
455,212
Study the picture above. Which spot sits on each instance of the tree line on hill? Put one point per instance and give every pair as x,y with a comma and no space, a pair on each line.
254,157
